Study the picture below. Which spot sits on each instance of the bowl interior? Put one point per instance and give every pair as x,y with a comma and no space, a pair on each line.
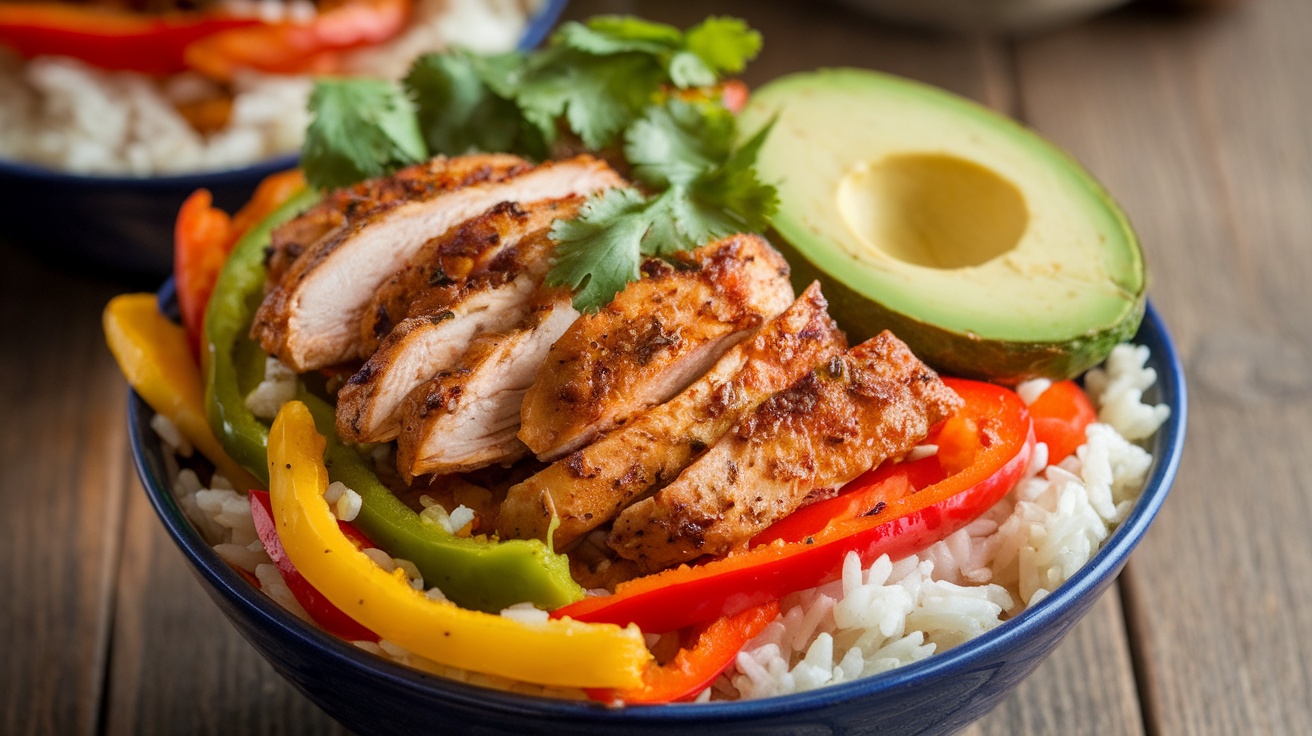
980,670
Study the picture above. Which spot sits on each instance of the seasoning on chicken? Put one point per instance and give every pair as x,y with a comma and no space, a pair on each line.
873,403
468,249
590,486
468,416
656,337
445,320
311,319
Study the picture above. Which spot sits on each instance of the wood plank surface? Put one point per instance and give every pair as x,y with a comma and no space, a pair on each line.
1197,124
63,467
1200,125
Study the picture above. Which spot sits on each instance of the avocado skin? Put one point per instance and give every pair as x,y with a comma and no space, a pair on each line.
952,349
956,354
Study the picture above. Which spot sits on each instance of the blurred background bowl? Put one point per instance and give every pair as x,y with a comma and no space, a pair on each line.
941,694
988,16
124,224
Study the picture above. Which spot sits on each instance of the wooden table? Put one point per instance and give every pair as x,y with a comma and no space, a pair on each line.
1200,126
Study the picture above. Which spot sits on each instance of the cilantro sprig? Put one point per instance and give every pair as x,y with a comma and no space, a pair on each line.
614,82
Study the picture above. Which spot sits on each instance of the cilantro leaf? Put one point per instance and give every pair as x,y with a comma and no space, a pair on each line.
599,251
612,34
597,96
676,142
734,188
459,111
724,44
359,128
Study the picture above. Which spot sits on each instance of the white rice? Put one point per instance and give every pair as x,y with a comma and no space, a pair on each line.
66,115
893,613
872,619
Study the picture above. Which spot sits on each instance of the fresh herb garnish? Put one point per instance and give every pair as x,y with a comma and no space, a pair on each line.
360,128
612,82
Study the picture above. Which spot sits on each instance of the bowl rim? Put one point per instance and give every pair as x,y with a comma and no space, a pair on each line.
536,29
267,615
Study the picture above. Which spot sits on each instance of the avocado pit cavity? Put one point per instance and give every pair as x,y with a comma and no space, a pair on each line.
932,210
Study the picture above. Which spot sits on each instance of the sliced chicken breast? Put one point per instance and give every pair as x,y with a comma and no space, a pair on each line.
445,320
656,337
448,260
874,402
311,319
588,487
468,417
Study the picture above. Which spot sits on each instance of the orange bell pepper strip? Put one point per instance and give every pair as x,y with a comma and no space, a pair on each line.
203,237
672,599
115,40
300,48
693,669
153,355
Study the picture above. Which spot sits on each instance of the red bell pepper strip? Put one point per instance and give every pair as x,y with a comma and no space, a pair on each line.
1061,415
114,40
672,599
693,669
203,237
323,612
300,48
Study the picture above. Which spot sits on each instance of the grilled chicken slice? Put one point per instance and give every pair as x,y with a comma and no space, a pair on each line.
467,417
448,260
655,338
858,409
590,486
445,320
292,238
311,319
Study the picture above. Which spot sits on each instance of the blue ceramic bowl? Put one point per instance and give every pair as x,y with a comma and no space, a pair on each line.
125,224
939,694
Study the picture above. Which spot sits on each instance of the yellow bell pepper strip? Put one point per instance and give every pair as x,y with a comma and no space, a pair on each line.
313,47
152,352
474,572
558,653
107,38
322,610
713,648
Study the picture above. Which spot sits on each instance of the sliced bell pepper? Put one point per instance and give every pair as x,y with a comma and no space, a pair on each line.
672,599
475,572
560,653
300,48
321,609
204,235
153,355
714,647
1061,415
201,236
115,40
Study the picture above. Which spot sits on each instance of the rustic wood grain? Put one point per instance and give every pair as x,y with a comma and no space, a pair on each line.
1200,125
1197,123
63,459
179,666
1084,689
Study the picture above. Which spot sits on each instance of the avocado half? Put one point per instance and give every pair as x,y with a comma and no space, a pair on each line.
990,252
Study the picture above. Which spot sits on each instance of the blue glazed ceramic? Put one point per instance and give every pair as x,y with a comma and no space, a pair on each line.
125,224
937,695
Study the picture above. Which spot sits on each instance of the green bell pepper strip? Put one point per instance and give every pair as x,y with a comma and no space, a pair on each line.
473,572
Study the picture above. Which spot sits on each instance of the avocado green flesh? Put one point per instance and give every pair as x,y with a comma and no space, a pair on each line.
985,248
